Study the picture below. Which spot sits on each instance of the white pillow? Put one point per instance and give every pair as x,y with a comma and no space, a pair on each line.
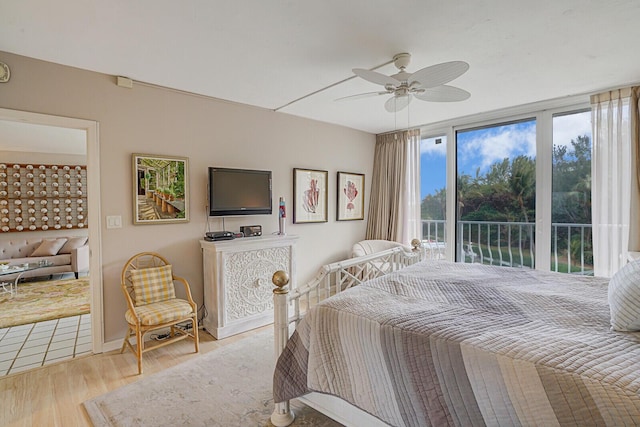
624,298
49,247
73,243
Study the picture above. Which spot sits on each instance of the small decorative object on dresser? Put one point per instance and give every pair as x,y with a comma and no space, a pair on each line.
350,196
309,195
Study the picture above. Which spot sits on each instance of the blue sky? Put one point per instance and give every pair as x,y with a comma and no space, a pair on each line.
480,148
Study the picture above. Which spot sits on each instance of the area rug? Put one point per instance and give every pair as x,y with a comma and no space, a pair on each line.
40,301
229,386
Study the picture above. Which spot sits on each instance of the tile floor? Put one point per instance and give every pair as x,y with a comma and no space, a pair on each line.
37,344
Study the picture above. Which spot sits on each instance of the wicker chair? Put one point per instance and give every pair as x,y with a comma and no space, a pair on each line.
366,247
148,285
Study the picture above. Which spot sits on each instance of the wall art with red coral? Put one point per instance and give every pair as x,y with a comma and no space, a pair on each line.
309,196
350,205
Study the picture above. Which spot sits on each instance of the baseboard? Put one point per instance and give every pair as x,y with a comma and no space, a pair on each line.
112,345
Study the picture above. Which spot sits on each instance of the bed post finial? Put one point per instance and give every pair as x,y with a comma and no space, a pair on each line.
282,414
281,280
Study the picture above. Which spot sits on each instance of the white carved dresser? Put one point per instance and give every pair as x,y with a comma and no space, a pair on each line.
238,293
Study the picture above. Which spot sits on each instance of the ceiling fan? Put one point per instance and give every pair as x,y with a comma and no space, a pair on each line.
426,84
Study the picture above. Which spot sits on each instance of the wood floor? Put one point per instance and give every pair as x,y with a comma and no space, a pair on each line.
53,395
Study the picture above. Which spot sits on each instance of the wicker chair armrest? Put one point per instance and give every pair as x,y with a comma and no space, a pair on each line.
130,303
187,289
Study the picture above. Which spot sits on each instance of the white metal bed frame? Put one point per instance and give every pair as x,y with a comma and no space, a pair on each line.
291,306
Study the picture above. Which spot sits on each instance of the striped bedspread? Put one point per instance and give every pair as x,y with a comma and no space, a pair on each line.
441,343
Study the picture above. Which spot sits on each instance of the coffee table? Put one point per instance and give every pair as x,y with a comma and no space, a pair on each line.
11,286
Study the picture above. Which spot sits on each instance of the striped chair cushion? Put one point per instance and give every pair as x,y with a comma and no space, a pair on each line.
624,298
152,284
160,312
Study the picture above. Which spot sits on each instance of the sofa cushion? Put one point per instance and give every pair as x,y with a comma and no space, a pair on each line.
73,243
160,312
49,247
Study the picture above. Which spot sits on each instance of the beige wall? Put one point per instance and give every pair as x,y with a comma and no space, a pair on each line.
210,133
42,158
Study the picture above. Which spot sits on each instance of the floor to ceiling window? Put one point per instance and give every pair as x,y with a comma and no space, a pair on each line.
496,188
518,183
571,244
433,194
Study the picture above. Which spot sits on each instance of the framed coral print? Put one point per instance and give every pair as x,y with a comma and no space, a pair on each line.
309,196
350,196
160,189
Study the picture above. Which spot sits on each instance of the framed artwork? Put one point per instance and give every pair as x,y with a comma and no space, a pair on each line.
309,196
160,189
350,196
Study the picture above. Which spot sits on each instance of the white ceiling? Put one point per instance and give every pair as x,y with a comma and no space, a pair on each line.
269,53
34,138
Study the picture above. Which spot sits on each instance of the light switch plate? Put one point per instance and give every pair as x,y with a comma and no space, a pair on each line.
114,221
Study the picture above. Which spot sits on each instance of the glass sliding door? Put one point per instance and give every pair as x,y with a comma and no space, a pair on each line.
433,195
571,243
496,192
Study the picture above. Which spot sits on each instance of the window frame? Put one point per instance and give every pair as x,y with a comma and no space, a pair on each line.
542,113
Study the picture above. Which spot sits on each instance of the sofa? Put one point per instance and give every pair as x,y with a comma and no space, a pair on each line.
67,255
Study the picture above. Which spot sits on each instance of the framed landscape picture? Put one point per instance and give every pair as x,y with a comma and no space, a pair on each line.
160,189
350,205
309,196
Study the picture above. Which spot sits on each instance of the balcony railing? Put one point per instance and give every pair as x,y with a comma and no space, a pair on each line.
513,244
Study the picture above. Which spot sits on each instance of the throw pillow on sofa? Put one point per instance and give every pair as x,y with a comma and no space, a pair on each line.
49,247
73,243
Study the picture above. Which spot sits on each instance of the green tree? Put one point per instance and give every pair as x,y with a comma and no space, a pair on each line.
572,182
522,183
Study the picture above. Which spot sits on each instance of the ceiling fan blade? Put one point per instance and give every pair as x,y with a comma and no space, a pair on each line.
439,74
444,93
375,77
361,95
397,103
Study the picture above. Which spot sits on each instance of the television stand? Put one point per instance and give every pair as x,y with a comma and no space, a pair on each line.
238,294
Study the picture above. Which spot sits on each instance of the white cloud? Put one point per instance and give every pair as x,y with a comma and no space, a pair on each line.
481,148
566,128
429,146
487,146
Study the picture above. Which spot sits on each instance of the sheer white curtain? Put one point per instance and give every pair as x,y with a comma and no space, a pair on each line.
614,178
410,223
394,208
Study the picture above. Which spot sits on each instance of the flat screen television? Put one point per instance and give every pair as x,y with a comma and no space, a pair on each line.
239,192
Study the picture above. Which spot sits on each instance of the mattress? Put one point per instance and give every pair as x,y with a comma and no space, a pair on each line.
441,343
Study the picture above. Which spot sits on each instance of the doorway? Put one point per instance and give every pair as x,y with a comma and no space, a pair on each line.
85,134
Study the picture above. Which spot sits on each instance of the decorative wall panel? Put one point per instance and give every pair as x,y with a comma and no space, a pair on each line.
248,274
42,197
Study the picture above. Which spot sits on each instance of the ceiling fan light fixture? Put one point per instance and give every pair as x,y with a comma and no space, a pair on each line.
397,103
428,84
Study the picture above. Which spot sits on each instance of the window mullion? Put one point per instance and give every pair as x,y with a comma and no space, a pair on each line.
544,172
